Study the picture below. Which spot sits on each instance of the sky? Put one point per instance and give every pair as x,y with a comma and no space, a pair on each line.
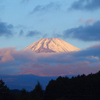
23,22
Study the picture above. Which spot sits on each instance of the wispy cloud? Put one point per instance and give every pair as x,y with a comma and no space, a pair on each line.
53,64
6,30
22,1
88,5
45,8
33,33
21,32
85,33
88,21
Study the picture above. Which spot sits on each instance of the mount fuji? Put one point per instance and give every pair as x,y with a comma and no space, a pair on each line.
51,45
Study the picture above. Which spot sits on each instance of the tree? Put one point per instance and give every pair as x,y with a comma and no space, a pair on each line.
4,92
37,93
24,95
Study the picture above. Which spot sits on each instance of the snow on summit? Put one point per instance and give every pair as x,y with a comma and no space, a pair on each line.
49,45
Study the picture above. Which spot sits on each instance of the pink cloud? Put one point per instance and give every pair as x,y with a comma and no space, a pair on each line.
88,21
60,69
15,62
5,55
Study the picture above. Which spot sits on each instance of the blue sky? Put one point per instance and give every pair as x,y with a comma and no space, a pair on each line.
23,22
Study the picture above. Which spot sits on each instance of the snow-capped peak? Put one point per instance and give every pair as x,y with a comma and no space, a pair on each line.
48,45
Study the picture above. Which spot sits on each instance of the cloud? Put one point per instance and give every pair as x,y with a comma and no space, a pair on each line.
88,21
61,69
89,5
6,30
85,33
33,33
13,62
21,33
51,6
21,26
25,1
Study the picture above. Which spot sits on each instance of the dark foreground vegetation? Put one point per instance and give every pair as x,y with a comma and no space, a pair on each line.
63,88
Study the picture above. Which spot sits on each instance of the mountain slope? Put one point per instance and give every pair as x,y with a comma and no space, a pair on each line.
48,45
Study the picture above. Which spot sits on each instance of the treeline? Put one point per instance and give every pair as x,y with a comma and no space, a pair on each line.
77,88
81,87
6,94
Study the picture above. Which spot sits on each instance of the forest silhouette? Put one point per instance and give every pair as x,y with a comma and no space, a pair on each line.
81,87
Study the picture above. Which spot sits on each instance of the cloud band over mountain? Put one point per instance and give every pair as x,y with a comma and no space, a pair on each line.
43,64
